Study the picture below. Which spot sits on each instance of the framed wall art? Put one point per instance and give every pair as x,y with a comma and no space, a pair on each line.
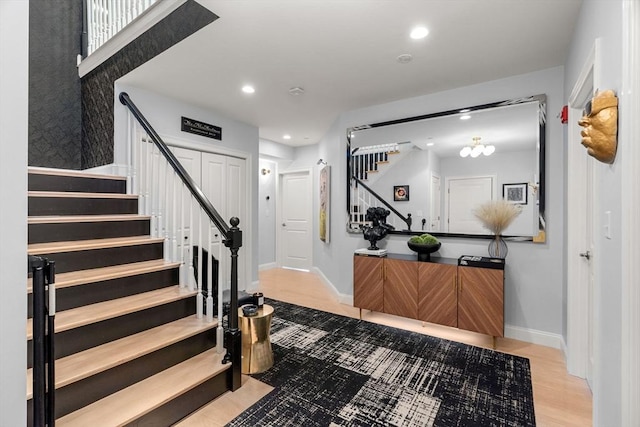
400,193
515,193
325,203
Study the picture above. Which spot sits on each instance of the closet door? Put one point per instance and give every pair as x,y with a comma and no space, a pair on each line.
191,160
224,183
236,205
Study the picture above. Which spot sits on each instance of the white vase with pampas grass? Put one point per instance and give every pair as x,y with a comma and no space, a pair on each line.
496,216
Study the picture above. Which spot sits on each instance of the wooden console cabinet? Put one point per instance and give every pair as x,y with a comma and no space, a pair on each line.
439,291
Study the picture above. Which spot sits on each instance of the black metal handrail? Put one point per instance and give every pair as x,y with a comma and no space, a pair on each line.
407,220
44,312
232,239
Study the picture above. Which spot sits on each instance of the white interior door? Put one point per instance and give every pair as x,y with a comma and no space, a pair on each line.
589,270
224,184
436,194
294,231
582,337
464,196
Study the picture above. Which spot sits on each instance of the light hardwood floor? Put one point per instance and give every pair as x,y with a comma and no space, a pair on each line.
559,398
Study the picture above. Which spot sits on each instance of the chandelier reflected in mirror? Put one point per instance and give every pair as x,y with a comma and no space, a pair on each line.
477,148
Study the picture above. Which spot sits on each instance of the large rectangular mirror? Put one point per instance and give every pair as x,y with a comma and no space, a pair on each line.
432,171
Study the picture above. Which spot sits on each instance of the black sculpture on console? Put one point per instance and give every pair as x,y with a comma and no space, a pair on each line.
378,228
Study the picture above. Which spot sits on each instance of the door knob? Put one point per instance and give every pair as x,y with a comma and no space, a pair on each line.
284,225
586,255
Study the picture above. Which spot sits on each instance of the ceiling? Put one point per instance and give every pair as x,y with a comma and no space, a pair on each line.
343,53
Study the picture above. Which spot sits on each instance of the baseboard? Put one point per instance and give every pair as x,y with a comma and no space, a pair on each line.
534,336
342,298
267,266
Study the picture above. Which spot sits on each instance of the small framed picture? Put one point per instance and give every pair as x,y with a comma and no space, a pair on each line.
515,193
400,193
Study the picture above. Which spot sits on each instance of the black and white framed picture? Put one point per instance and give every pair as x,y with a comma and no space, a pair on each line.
515,193
400,193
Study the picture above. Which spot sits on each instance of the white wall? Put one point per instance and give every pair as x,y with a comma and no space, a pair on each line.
533,286
603,19
14,75
164,115
267,213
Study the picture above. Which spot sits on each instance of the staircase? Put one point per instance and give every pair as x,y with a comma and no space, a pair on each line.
129,349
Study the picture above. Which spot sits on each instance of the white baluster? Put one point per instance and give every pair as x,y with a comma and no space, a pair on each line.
160,194
192,277
199,297
153,193
183,241
166,204
174,218
209,277
221,286
148,148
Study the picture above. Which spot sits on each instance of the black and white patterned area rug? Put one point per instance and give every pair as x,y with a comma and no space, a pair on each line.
332,370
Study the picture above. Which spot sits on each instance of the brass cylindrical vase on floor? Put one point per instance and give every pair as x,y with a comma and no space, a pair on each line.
256,344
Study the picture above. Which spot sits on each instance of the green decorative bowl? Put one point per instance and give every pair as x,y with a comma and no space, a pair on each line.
424,250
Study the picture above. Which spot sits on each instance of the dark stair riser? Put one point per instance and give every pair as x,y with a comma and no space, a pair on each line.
104,257
87,230
185,404
40,182
45,206
95,334
106,290
84,392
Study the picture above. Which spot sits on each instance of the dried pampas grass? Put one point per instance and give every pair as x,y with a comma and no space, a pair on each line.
497,215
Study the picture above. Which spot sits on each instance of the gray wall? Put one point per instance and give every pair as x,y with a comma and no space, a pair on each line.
267,212
14,74
534,286
603,19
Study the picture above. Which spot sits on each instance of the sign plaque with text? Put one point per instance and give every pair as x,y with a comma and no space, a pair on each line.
201,128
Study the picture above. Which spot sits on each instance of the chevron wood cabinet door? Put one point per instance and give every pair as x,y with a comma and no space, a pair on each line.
481,300
401,288
437,293
368,282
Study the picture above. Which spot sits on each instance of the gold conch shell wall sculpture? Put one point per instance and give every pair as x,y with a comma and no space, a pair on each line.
600,123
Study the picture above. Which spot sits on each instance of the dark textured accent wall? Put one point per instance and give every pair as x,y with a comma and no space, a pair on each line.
98,85
55,117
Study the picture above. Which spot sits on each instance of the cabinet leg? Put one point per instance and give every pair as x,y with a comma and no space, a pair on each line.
360,314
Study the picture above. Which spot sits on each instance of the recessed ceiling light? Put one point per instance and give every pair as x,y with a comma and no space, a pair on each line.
405,58
286,136
248,89
419,33
465,117
430,144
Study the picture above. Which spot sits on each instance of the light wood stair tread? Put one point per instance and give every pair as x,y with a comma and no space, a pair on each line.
88,314
58,219
81,245
89,362
141,398
81,195
81,277
74,173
